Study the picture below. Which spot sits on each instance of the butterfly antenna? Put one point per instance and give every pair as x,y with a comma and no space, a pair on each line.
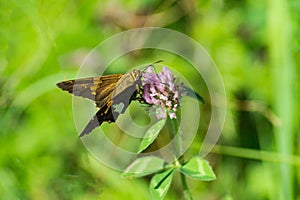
152,65
159,61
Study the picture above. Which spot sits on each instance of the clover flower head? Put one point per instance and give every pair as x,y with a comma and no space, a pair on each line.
161,91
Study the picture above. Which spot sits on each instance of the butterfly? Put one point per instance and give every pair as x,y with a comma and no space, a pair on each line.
112,94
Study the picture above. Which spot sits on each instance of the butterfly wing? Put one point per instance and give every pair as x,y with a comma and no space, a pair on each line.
97,89
104,114
111,110
111,93
119,99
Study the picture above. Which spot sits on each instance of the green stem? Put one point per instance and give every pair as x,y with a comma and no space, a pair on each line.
186,191
178,148
176,135
281,48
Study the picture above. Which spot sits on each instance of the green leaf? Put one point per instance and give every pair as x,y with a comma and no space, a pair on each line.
160,184
145,166
151,134
198,168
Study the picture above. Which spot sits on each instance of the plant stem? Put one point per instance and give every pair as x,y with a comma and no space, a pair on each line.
186,191
281,50
176,135
178,153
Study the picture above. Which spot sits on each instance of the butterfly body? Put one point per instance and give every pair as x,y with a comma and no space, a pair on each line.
112,94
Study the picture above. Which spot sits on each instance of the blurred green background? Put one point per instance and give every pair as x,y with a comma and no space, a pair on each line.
255,44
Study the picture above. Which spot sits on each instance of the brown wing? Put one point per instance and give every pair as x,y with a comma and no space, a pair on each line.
112,94
128,83
98,89
111,110
104,114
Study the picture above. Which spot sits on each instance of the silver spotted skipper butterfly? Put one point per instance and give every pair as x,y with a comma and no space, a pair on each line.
111,93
